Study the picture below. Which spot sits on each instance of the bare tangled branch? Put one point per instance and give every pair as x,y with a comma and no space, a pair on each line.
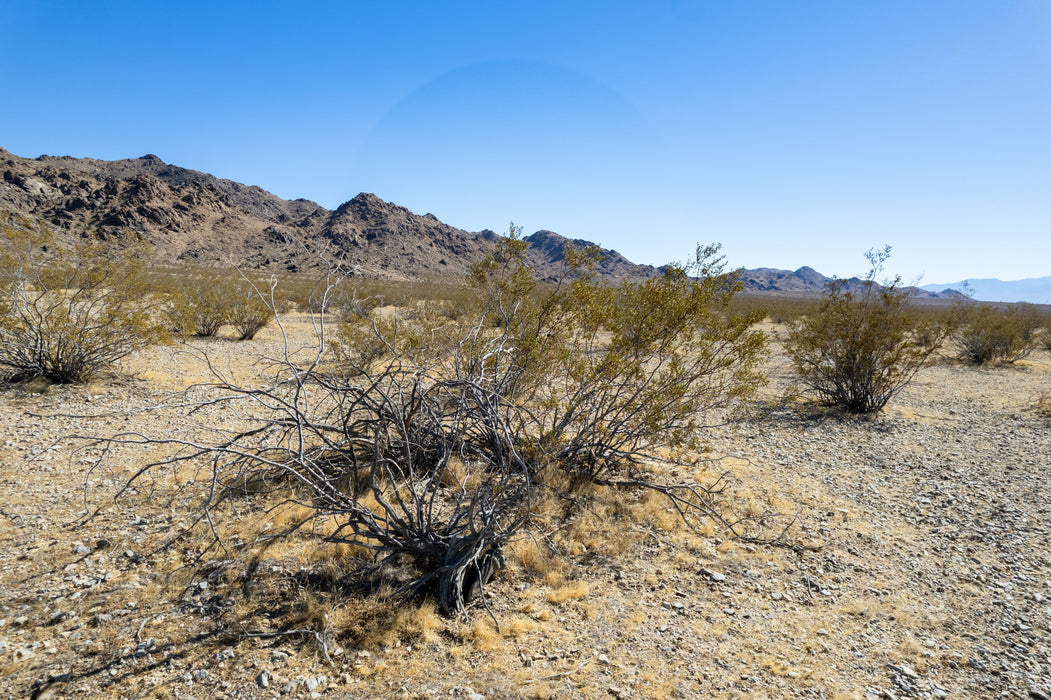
422,439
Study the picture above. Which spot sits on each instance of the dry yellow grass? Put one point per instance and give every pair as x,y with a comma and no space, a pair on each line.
567,592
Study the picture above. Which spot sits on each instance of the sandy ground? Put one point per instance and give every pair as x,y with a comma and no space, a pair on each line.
919,563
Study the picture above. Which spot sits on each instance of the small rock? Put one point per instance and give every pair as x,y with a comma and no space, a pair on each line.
263,679
81,549
822,632
200,675
311,684
909,671
714,575
603,659
278,655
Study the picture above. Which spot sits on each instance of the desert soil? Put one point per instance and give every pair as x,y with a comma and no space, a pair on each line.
916,562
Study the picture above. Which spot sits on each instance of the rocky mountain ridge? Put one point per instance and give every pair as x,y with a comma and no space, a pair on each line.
193,217
190,216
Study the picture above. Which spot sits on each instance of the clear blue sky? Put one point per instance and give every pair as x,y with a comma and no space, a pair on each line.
793,132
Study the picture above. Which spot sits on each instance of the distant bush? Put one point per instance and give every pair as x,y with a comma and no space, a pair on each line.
201,301
72,314
987,333
199,304
856,350
251,307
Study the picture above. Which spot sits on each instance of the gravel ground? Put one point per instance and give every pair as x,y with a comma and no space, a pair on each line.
928,573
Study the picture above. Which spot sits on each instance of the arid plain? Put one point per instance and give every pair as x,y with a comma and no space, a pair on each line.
912,559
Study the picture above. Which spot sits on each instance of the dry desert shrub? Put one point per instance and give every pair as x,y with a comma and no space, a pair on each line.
857,349
68,316
200,302
988,333
1043,405
252,306
430,452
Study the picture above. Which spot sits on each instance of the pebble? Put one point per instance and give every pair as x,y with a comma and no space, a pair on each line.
714,575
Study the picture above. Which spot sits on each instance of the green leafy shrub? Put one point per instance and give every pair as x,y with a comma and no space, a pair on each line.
857,349
987,333
76,312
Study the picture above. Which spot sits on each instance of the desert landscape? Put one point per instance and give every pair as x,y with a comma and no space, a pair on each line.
908,556
525,351
725,533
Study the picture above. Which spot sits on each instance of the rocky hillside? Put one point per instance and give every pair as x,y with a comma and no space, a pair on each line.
190,216
807,281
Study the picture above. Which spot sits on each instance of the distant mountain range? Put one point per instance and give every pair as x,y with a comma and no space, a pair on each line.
193,217
1035,290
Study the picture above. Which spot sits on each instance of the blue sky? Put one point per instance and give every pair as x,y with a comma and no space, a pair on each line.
794,133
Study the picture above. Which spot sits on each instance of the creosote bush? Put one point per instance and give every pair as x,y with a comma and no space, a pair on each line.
197,306
987,333
857,349
251,307
69,315
428,450
201,302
